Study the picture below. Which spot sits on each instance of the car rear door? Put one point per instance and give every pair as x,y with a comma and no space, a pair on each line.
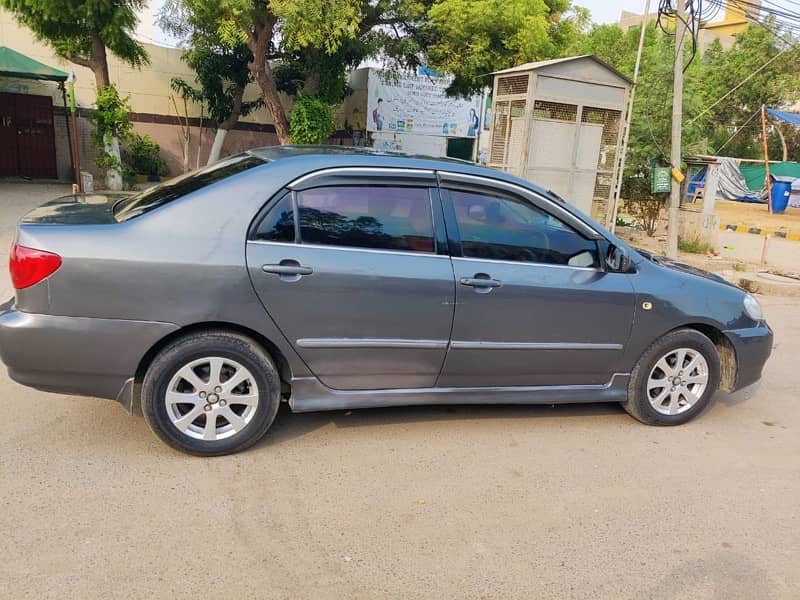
533,304
352,265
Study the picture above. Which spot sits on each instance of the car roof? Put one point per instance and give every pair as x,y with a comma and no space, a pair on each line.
322,156
273,153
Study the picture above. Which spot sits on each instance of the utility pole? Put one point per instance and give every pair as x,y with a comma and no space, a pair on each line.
677,116
612,218
766,156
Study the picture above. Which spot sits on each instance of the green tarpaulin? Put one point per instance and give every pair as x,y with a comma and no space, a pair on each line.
754,173
14,64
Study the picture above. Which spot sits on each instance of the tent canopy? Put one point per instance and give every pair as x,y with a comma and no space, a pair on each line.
14,64
792,118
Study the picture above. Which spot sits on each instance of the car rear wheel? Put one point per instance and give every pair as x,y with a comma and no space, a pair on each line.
674,379
211,393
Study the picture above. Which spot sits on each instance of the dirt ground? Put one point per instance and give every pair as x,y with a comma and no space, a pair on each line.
430,502
756,215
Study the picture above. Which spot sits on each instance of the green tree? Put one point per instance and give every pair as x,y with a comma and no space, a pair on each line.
306,46
83,32
222,71
472,38
777,85
707,126
258,24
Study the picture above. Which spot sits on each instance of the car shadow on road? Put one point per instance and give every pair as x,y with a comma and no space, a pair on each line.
289,425
738,397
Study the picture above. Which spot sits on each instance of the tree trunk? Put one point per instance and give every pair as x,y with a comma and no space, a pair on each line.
113,174
226,125
100,60
311,84
216,147
186,154
783,143
258,43
97,62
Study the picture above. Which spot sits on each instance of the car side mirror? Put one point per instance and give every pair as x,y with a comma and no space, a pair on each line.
618,259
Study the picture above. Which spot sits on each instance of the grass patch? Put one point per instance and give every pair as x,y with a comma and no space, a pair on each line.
739,266
693,246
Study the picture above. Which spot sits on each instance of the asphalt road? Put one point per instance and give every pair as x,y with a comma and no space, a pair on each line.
461,502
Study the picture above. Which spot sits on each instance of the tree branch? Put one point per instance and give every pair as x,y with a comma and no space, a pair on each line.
80,61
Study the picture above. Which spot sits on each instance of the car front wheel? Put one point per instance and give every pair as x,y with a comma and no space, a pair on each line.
211,393
674,379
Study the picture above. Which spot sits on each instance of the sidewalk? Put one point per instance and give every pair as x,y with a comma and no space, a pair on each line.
755,219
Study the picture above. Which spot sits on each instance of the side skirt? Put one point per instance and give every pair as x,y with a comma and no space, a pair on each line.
309,395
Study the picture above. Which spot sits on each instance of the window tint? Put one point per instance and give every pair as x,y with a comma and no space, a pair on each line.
388,218
501,228
278,224
173,189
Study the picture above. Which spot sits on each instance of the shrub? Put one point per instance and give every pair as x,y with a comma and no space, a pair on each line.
311,121
693,245
142,156
645,206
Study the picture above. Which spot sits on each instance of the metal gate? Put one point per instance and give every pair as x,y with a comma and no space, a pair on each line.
27,137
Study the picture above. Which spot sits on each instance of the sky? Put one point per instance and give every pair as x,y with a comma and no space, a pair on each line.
607,11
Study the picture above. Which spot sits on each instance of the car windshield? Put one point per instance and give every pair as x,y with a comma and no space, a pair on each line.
161,194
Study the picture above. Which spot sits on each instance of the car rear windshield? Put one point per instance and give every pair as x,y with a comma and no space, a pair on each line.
166,192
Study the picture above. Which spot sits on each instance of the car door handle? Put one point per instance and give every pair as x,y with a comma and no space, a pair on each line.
480,280
288,269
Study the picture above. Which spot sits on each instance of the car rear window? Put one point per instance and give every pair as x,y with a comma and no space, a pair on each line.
166,192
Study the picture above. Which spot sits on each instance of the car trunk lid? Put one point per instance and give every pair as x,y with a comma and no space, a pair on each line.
77,209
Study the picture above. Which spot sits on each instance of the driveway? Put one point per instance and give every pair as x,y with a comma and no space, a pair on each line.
430,502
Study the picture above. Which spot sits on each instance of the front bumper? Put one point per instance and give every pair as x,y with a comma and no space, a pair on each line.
753,347
75,355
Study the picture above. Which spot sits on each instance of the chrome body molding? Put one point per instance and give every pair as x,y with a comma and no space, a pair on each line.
387,171
309,395
369,343
479,345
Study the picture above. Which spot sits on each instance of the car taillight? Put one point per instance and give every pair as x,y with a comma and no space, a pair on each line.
29,266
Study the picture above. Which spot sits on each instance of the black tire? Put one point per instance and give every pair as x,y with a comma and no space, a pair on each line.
638,403
196,346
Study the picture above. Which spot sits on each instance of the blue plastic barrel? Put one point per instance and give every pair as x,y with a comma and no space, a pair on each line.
780,195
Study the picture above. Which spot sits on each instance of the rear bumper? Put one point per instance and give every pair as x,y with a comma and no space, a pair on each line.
75,355
753,347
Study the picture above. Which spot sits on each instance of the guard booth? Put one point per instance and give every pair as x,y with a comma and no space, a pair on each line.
558,123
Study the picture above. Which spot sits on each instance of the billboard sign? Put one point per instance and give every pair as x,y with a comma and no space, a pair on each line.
417,103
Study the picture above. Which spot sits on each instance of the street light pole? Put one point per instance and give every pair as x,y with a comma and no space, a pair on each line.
677,116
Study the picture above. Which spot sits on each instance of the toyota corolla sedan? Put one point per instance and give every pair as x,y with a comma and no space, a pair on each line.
339,279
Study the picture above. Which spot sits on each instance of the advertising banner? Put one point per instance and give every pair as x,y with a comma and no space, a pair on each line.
417,103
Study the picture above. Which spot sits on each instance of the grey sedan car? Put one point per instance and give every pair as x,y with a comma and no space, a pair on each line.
336,279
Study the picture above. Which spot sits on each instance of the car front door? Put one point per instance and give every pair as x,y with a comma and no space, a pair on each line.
534,305
350,269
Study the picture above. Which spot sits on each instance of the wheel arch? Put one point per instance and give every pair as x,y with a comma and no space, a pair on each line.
725,350
284,368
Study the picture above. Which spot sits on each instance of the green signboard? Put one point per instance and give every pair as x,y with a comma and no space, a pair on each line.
660,180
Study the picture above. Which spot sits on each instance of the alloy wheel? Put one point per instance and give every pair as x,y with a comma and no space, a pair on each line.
677,381
211,398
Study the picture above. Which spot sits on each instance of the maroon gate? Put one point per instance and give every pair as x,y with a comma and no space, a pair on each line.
27,137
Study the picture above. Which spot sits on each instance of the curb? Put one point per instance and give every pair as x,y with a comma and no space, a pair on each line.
765,231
